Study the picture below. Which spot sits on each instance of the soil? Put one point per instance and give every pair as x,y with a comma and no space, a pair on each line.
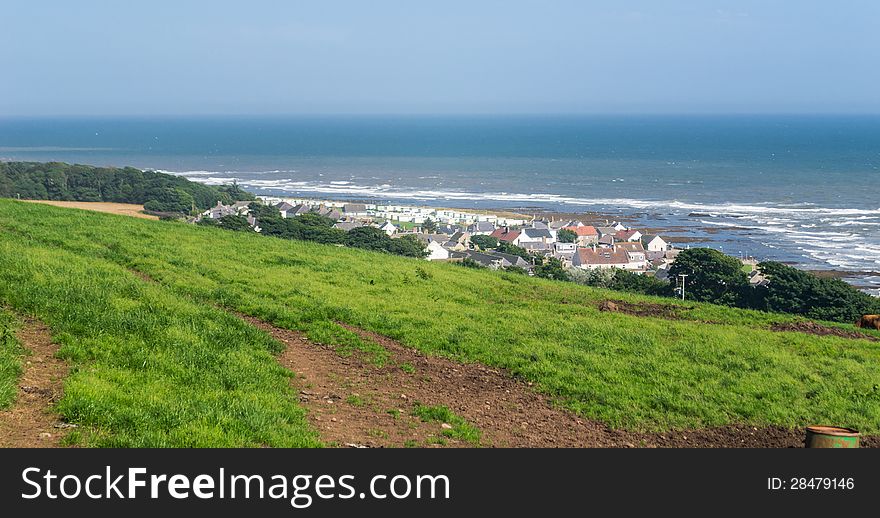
642,309
31,422
820,330
352,403
124,209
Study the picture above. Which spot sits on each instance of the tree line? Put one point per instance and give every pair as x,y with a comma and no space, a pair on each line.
319,229
157,192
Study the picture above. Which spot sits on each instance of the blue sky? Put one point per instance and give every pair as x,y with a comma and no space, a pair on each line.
258,57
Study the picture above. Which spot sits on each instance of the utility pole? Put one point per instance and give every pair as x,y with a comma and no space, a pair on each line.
682,275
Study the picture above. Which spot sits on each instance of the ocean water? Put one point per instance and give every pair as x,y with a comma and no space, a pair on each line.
800,189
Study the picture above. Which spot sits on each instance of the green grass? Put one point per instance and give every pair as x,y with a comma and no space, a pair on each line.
714,366
461,429
10,359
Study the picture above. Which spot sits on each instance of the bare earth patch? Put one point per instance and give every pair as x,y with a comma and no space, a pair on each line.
820,330
352,402
31,422
123,209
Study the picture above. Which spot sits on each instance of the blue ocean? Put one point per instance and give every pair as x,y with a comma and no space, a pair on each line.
800,189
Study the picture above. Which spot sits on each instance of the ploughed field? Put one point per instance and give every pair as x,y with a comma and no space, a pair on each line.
180,335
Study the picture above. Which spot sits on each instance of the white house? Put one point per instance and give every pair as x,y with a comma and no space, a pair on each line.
388,228
655,244
436,252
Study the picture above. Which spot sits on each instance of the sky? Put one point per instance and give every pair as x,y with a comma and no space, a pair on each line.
440,57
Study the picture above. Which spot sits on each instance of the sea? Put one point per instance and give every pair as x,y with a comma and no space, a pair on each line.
800,189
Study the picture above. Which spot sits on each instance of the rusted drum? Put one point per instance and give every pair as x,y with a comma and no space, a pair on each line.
831,437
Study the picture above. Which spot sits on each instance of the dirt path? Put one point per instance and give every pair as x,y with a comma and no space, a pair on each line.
353,402
30,422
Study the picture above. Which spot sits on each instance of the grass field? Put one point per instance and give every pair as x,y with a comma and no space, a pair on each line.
154,366
10,359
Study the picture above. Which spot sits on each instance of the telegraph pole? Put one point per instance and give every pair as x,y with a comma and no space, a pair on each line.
682,275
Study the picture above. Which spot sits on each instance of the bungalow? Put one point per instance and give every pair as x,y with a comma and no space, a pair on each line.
388,228
586,234
496,260
481,228
354,209
536,235
328,212
655,243
628,235
507,235
459,241
436,252
347,225
219,211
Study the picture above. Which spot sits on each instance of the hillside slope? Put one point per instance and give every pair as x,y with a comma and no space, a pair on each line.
677,365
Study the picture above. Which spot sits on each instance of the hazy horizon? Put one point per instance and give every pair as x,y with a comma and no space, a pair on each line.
634,57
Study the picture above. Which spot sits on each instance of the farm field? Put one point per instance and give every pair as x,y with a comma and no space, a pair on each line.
123,209
143,311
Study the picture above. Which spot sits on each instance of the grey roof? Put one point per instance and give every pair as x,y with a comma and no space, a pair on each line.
537,232
283,206
348,225
540,224
481,226
515,260
489,260
354,207
604,231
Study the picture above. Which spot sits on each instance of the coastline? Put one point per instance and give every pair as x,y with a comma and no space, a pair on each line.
679,235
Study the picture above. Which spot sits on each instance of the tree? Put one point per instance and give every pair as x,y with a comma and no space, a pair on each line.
551,268
711,276
408,246
631,282
790,290
566,236
170,199
238,223
259,210
484,242
429,226
368,238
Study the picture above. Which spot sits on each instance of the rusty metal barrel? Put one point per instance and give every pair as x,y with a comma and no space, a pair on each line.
831,437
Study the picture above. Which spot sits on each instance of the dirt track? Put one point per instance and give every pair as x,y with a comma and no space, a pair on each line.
30,422
352,402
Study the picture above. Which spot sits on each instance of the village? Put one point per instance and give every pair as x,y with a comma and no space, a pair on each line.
489,240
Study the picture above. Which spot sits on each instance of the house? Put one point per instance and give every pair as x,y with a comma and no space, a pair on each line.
252,221
242,207
347,225
606,240
388,228
594,258
655,243
636,254
354,209
507,235
496,260
458,241
564,252
436,252
447,229
218,211
628,235
328,212
586,234
536,235
606,231
481,228
540,225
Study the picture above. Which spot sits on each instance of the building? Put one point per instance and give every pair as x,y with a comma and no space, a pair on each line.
655,243
355,210
586,234
628,235
595,258
388,228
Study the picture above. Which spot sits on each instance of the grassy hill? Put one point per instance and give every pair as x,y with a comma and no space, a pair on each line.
158,364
